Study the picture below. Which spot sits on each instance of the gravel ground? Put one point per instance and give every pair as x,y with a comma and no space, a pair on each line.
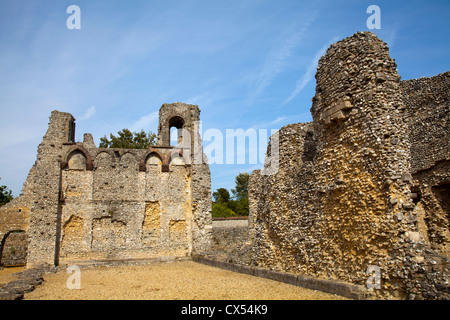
185,280
6,274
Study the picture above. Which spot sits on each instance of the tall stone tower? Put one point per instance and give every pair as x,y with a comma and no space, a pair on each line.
186,119
358,196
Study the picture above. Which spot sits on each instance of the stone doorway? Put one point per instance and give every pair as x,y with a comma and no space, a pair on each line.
14,248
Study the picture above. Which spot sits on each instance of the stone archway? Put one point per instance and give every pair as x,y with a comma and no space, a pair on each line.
176,122
14,248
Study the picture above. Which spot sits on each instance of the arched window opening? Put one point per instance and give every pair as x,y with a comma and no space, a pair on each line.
175,128
71,136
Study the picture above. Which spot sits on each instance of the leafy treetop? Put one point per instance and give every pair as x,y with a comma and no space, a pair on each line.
129,140
226,206
5,195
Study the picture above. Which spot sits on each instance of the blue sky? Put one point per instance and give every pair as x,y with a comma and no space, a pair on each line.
247,64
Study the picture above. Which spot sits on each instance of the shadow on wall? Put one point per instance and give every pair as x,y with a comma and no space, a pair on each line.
13,248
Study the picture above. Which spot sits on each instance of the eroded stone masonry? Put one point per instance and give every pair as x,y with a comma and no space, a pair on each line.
361,194
81,203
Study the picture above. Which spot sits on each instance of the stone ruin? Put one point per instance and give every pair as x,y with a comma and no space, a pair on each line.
83,204
359,195
362,192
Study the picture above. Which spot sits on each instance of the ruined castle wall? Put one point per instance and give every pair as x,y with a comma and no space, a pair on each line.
46,178
14,222
82,203
187,118
282,236
362,165
230,240
348,209
201,207
15,217
116,211
427,102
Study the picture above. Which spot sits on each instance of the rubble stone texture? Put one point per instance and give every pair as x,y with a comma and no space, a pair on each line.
230,241
360,194
364,186
83,203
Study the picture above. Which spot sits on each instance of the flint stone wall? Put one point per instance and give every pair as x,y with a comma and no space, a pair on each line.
82,203
341,203
231,240
427,102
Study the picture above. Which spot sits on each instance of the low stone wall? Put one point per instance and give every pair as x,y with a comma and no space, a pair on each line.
334,287
230,240
233,222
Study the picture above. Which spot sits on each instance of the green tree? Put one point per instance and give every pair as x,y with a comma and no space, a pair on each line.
5,195
221,196
240,195
240,206
221,210
129,140
241,189
226,206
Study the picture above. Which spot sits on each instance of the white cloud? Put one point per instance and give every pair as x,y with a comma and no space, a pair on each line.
147,122
277,57
391,36
281,121
88,114
309,74
203,99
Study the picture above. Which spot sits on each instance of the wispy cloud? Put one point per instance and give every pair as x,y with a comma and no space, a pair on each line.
391,36
277,56
88,114
309,74
281,121
203,99
146,122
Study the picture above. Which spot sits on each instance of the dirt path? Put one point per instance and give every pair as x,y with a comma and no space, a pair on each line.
186,280
7,274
